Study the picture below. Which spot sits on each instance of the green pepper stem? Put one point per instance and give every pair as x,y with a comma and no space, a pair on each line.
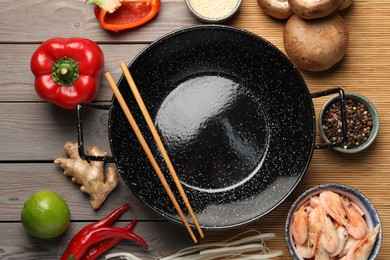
65,71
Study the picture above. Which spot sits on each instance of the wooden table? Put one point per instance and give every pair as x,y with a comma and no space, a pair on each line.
33,132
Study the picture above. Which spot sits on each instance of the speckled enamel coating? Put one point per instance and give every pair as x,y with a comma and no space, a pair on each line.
235,116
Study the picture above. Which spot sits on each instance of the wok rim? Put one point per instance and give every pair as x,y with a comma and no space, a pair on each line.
305,88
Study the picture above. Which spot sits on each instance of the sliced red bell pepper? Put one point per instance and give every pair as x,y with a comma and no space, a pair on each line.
117,15
67,71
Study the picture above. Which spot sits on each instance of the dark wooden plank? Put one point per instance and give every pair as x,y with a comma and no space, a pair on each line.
38,20
17,81
163,238
20,180
38,131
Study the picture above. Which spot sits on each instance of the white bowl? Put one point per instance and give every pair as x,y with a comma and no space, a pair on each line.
200,14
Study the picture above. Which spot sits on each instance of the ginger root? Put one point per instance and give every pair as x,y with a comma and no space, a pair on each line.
89,174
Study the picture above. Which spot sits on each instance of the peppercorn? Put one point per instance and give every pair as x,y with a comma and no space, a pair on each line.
359,123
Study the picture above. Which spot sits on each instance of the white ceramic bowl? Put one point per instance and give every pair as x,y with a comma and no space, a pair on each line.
203,7
374,115
371,215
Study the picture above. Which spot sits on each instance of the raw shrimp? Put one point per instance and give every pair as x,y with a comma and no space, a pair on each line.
356,226
304,250
333,205
321,252
315,201
358,209
343,235
314,230
329,238
348,245
336,229
362,249
300,225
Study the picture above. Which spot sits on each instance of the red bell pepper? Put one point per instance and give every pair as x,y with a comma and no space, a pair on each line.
117,15
67,71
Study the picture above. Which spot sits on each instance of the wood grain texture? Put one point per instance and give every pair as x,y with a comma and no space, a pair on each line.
20,245
43,128
20,180
17,81
33,132
38,20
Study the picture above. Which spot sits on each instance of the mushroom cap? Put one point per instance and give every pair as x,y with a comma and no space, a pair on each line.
279,9
313,9
316,45
344,4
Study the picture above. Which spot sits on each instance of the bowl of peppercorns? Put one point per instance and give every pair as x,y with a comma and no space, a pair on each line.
362,122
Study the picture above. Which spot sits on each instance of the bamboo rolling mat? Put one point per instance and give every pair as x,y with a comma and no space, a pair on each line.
364,70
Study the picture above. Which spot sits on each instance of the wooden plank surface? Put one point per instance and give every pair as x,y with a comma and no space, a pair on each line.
30,177
17,81
18,245
38,20
33,132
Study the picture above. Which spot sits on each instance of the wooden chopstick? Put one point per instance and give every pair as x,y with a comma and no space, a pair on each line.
148,152
159,143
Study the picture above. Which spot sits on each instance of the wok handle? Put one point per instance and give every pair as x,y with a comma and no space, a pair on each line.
341,93
80,138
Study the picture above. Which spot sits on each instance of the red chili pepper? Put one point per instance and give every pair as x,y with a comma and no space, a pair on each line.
67,71
115,15
85,231
100,234
97,250
112,217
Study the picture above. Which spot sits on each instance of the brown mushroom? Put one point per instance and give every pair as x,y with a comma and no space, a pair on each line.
312,9
279,9
344,4
316,45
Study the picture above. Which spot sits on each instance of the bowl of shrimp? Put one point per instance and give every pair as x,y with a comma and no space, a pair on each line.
333,221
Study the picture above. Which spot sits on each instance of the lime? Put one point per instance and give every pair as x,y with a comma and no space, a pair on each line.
45,214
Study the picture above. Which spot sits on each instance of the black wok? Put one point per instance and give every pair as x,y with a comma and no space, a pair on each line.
235,115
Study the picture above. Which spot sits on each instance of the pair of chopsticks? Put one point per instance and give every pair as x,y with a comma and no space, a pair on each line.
147,150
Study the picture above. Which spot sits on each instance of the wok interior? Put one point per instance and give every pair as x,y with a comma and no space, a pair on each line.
235,116
216,131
